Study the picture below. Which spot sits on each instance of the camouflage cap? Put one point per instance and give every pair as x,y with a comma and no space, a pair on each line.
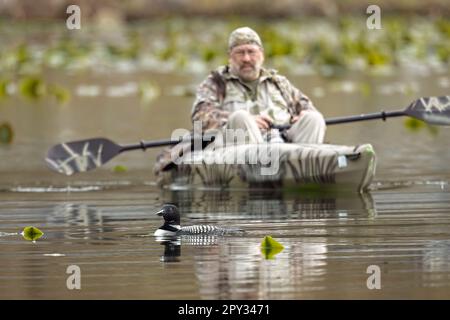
243,35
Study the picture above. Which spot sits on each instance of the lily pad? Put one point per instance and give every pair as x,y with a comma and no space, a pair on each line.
4,88
31,233
6,133
61,94
414,125
33,88
120,168
270,247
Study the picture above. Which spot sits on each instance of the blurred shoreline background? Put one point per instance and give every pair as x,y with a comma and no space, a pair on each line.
132,10
328,37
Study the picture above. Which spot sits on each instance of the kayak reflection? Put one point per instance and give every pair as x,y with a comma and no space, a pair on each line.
264,204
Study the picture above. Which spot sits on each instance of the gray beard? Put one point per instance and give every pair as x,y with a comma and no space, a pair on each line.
253,73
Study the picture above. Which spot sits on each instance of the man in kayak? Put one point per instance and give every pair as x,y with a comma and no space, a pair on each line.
244,95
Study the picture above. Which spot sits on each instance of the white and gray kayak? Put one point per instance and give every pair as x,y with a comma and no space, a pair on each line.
279,165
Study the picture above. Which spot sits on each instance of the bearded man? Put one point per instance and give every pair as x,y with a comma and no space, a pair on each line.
244,95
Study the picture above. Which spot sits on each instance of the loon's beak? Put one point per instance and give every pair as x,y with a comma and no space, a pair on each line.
160,212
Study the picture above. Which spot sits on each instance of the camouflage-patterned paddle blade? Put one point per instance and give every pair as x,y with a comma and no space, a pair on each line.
84,155
433,110
81,156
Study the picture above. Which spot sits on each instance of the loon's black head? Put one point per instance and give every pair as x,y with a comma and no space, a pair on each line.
170,214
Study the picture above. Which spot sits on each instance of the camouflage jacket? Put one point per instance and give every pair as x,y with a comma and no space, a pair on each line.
221,93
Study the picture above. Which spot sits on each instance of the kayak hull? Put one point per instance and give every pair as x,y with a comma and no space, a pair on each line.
279,165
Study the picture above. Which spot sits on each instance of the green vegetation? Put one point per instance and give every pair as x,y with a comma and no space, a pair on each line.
329,46
415,125
4,83
31,233
32,88
270,247
120,169
61,94
174,44
35,88
6,133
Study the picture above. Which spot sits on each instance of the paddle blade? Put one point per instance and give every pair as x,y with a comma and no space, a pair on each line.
433,110
80,156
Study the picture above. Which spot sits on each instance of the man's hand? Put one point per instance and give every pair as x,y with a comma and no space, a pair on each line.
263,122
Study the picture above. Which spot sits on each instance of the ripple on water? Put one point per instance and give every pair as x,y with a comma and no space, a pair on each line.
55,189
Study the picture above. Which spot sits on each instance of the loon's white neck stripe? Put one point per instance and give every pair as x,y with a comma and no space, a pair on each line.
171,227
168,230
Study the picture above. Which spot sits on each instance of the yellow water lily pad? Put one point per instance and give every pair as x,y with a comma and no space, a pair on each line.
31,233
61,94
32,87
270,247
120,168
413,124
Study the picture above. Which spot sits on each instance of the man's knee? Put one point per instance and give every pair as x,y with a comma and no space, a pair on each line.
313,118
310,128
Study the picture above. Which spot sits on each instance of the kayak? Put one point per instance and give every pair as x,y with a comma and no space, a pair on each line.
274,165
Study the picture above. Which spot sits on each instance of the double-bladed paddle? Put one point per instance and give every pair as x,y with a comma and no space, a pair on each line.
432,110
85,155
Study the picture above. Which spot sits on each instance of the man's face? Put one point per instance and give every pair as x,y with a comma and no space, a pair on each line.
246,61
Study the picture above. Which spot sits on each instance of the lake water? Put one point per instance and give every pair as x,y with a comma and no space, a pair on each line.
103,221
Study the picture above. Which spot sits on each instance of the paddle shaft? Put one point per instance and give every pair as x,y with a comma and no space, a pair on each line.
370,116
144,145
160,143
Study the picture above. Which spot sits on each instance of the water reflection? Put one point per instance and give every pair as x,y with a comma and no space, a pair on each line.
436,263
78,220
264,204
233,267
328,244
71,214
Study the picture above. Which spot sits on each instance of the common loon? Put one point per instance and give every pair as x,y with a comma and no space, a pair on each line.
172,227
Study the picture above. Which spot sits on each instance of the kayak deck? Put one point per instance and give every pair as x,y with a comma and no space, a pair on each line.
278,165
